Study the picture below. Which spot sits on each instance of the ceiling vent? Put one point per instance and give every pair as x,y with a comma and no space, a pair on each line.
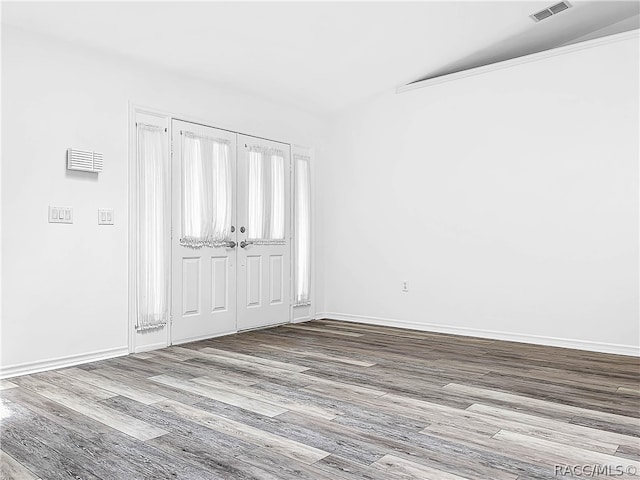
552,10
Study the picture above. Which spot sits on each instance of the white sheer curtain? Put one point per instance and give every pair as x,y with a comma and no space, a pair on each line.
207,191
276,230
255,207
266,209
302,230
153,251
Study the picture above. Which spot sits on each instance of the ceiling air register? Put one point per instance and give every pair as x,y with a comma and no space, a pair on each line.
552,10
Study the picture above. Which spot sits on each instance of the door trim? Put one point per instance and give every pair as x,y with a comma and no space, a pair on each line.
133,337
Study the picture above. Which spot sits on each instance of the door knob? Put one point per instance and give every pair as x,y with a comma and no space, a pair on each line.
231,244
244,244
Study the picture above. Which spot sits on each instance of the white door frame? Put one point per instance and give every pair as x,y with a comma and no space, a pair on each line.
136,342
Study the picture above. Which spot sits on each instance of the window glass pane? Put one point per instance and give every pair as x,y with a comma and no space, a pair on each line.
266,196
276,232
255,213
222,193
302,231
207,196
153,215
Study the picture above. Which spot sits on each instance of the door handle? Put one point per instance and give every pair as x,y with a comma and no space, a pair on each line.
244,243
231,244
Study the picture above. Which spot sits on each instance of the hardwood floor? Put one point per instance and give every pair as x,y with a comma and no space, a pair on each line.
328,400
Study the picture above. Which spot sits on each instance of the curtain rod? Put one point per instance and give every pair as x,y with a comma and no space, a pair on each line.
149,126
187,133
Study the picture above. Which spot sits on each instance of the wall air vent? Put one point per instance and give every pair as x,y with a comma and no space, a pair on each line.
552,10
84,160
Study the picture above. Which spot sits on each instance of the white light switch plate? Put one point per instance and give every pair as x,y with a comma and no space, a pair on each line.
105,216
60,214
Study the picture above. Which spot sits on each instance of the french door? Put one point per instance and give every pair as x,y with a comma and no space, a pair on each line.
203,273
230,232
264,276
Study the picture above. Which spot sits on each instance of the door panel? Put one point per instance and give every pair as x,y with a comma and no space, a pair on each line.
190,286
263,263
203,279
220,283
276,280
254,280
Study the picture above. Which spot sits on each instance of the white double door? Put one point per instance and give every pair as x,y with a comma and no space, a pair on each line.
244,284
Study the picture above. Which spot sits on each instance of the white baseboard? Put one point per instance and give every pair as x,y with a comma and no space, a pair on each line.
617,349
60,362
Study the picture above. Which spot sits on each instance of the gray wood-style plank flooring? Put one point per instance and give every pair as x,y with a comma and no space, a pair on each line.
327,400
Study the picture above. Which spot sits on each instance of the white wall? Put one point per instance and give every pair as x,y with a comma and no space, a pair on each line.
508,200
65,286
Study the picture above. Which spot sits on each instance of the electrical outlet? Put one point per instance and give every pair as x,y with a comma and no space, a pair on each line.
405,286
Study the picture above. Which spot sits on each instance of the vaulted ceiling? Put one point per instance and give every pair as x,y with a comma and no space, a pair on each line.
319,56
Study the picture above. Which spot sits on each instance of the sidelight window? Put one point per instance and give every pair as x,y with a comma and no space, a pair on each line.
302,229
153,251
